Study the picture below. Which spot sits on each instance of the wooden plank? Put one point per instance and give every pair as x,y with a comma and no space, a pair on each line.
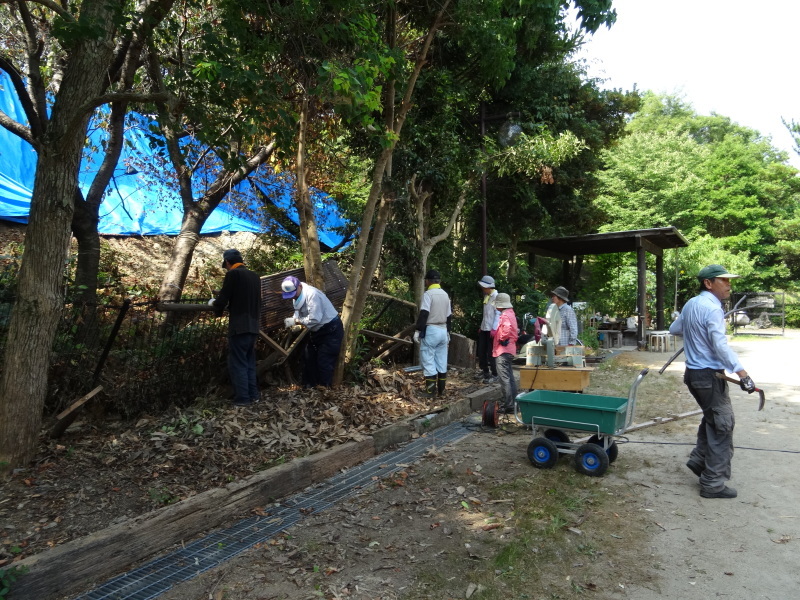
182,307
73,566
383,336
79,402
388,297
564,379
390,346
275,345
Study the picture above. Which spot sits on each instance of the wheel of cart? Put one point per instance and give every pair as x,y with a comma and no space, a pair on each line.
607,443
542,453
552,415
591,459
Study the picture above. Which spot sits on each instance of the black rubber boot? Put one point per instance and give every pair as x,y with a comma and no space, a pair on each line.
441,382
430,387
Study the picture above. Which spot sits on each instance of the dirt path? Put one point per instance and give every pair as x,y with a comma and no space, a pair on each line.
660,540
746,548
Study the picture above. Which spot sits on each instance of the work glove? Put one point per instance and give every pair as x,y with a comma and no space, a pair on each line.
416,336
747,385
211,302
288,322
504,342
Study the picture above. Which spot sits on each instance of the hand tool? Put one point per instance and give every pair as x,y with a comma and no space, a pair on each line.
761,399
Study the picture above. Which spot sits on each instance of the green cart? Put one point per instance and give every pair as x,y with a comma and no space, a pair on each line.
552,415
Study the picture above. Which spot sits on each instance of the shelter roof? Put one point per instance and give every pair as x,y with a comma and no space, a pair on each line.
653,240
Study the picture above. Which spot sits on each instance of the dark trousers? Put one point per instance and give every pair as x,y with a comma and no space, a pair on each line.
321,354
714,448
508,381
484,351
242,366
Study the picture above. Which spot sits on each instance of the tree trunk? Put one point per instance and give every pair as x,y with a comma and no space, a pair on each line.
181,259
38,307
511,272
86,218
84,227
39,296
309,237
359,282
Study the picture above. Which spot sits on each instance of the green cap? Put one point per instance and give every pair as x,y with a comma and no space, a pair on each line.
712,271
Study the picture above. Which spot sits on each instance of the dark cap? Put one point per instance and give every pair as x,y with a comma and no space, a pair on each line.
289,286
712,271
433,275
231,256
561,292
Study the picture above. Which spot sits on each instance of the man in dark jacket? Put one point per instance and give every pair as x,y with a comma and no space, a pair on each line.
241,295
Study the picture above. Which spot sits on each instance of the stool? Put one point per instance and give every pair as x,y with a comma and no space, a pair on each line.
659,341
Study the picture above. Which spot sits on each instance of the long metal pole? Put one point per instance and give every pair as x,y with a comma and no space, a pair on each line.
484,242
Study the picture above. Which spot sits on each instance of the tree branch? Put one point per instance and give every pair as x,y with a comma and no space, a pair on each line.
25,100
17,129
66,15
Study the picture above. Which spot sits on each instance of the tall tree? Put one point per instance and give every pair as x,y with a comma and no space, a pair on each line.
710,177
63,61
488,37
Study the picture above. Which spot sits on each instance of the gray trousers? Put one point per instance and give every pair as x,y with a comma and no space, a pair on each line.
714,448
508,382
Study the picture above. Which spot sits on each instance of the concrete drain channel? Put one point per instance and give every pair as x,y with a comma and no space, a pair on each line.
158,576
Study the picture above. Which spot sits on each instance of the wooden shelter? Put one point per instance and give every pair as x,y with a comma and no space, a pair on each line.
641,241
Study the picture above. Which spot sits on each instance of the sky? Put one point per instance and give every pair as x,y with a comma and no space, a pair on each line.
736,58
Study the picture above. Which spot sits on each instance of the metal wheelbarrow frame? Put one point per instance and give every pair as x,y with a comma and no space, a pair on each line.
552,415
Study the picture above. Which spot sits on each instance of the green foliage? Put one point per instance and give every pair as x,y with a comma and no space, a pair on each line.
8,577
589,337
792,315
727,189
531,154
162,496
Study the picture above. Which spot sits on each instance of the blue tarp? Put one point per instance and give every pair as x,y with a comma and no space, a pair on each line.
136,202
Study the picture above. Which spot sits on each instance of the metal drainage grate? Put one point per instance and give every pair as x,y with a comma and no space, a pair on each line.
158,576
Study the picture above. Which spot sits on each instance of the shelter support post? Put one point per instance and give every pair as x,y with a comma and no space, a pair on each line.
660,292
641,308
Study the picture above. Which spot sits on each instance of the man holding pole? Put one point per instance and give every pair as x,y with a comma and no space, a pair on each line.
702,326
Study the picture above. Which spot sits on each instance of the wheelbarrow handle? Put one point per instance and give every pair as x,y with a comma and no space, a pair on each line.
632,397
761,399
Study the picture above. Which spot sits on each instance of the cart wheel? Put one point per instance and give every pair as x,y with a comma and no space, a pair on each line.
612,449
557,436
542,453
591,459
490,414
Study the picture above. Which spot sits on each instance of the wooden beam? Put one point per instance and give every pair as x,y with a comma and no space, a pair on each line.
79,402
642,242
388,297
383,336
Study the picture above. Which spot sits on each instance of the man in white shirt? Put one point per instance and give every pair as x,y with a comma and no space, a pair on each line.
433,334
313,310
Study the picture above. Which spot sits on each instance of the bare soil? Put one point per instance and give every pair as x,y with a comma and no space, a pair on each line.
102,473
439,525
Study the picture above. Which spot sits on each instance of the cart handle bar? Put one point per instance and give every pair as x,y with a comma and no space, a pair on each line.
632,396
